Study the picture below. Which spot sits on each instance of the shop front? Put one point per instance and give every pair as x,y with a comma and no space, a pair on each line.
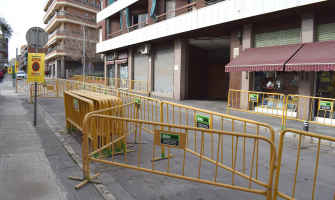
303,74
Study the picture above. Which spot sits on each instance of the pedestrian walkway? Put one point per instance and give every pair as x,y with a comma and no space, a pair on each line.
33,163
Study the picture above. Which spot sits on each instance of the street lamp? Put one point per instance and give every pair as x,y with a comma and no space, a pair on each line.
84,37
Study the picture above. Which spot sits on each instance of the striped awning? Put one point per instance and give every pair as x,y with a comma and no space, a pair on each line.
109,62
315,56
122,61
263,58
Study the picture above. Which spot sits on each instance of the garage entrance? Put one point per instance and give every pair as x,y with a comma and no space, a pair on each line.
207,60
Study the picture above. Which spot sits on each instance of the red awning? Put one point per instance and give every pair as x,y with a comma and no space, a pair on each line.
315,56
109,62
263,58
121,61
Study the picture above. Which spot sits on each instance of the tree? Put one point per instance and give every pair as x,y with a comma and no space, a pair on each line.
73,45
5,28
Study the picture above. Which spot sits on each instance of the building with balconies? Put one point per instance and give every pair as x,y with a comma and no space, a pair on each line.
60,25
199,49
3,51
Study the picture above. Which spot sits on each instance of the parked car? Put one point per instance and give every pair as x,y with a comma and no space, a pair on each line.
21,74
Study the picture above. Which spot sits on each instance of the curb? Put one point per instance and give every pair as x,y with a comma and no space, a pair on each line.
100,187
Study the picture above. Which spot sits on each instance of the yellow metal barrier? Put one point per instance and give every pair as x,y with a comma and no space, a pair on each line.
269,104
105,91
47,90
139,87
123,84
23,84
83,86
173,113
316,110
111,83
300,134
176,142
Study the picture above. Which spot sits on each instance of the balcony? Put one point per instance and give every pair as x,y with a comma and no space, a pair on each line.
55,52
211,2
179,11
64,32
3,49
81,4
63,17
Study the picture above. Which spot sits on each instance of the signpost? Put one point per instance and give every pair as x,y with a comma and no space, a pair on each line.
36,37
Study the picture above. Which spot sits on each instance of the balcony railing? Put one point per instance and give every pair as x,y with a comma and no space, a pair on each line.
63,31
211,2
179,11
138,26
54,49
115,34
88,4
83,19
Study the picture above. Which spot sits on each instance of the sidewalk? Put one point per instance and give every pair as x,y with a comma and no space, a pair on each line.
33,163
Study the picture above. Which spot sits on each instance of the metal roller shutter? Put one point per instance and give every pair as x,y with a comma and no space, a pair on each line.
276,38
325,32
141,67
163,77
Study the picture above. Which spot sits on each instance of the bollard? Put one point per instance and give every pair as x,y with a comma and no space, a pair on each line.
306,126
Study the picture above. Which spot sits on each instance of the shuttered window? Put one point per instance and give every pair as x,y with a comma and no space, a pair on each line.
141,67
276,38
163,77
325,32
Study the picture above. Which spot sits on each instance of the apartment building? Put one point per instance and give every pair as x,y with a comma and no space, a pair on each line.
23,57
199,49
61,25
3,51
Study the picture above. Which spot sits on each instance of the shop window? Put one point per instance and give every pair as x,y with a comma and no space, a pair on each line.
325,84
276,38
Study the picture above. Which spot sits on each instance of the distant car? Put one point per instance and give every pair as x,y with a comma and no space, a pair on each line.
21,74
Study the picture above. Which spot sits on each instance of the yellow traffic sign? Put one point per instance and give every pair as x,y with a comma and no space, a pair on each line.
16,66
35,67
9,70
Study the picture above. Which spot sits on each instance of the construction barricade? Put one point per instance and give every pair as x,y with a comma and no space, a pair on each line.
23,84
111,83
178,114
141,87
105,91
293,182
269,104
123,84
48,90
316,110
190,164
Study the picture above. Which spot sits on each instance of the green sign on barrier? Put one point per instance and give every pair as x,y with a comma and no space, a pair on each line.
326,105
253,97
202,121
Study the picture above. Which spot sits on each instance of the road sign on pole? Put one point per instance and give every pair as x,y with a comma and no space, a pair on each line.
36,37
16,66
35,67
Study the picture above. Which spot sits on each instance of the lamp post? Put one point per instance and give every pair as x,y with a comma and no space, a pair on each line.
84,37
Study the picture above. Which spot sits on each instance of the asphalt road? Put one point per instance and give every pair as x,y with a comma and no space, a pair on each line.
143,185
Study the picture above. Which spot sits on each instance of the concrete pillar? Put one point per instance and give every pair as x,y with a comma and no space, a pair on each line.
130,67
58,66
151,69
63,73
180,69
124,23
306,79
106,72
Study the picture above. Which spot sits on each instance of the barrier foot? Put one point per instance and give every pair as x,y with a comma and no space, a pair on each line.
85,180
134,142
106,154
162,158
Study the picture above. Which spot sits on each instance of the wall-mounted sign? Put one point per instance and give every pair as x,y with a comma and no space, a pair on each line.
253,97
326,105
170,139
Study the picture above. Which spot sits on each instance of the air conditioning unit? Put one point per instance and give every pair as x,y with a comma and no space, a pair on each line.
139,49
145,49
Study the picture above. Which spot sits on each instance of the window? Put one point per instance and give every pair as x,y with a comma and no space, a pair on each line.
170,5
136,19
101,4
100,34
93,18
93,3
86,1
86,15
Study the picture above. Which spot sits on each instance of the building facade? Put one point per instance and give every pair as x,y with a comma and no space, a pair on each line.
3,51
186,49
61,25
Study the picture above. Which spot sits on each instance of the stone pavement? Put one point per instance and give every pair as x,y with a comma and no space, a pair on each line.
33,163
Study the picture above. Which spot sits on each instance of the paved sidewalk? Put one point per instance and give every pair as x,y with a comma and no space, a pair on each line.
34,164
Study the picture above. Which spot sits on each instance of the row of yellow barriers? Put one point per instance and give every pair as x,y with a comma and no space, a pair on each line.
132,86
213,139
316,110
178,140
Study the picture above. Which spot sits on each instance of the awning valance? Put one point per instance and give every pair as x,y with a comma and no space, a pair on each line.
121,61
263,58
315,56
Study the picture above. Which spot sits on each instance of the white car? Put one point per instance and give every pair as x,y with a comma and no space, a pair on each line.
21,74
